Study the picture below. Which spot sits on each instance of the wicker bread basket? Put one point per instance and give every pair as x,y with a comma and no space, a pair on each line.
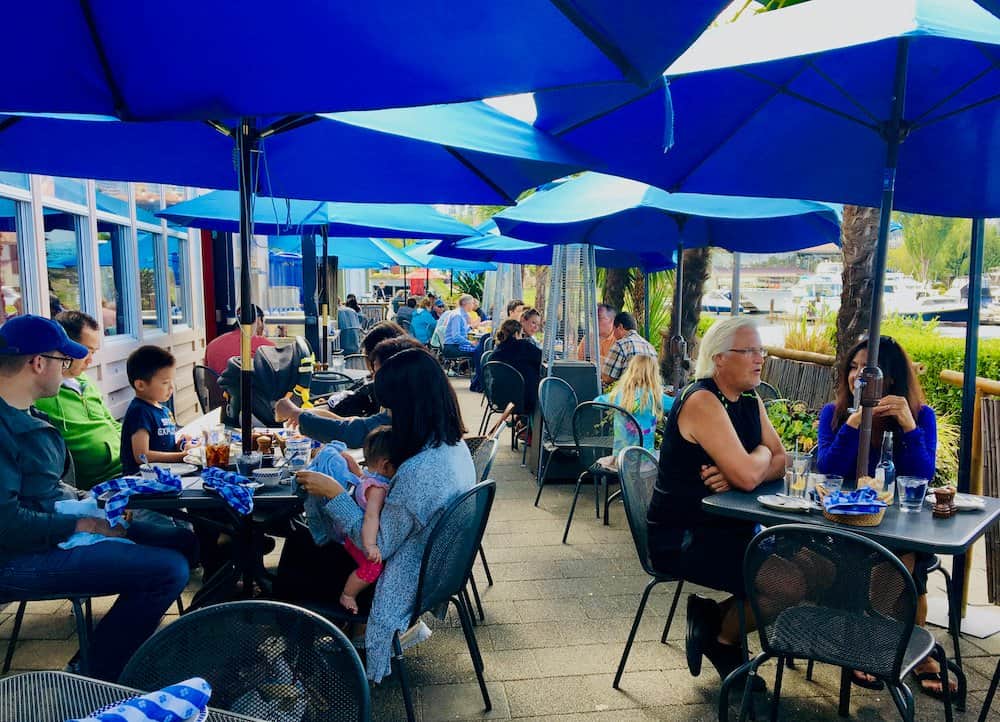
856,519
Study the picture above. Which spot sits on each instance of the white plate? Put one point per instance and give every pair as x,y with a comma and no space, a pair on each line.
783,503
178,468
963,502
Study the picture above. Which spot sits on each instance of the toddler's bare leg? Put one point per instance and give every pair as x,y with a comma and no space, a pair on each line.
352,588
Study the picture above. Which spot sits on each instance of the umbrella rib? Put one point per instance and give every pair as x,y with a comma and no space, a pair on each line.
843,91
478,173
958,111
949,96
120,106
219,126
592,118
595,34
7,122
810,101
291,122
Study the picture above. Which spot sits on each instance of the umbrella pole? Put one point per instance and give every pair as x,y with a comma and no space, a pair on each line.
645,302
246,143
962,564
309,286
451,283
677,350
735,291
427,281
871,375
324,296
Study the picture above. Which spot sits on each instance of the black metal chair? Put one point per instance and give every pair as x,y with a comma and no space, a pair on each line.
356,362
267,660
556,402
836,597
988,702
324,383
594,438
444,571
638,470
503,385
767,392
81,613
206,387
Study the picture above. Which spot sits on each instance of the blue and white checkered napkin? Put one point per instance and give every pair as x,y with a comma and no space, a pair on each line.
126,486
182,702
231,487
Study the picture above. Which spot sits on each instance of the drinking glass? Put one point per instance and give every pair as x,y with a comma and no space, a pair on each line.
799,480
217,447
912,490
832,483
246,463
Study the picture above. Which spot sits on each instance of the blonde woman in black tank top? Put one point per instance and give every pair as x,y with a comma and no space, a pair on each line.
717,438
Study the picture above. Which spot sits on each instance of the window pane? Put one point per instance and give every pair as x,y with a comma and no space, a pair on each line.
10,265
114,189
112,243
73,190
172,196
147,277
176,287
62,252
18,180
147,198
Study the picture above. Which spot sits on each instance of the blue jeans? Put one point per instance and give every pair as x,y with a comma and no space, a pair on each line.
147,576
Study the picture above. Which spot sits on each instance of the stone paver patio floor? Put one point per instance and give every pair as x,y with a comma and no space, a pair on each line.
556,622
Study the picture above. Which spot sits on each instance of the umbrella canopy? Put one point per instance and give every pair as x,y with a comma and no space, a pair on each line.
252,60
992,5
424,257
464,153
503,249
220,211
797,104
626,215
350,252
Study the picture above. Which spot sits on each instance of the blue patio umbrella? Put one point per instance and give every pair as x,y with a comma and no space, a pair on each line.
423,257
351,252
992,5
255,61
220,211
492,246
626,215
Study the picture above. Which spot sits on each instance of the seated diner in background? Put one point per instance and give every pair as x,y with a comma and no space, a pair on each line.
718,437
361,402
531,324
628,343
456,333
92,434
640,392
516,351
515,308
912,424
45,549
605,335
424,321
224,347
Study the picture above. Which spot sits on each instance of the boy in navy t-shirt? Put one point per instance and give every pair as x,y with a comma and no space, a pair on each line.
149,427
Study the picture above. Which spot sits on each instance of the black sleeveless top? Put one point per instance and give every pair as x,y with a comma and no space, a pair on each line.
676,503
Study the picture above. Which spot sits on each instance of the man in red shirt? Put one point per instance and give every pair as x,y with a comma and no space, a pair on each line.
224,347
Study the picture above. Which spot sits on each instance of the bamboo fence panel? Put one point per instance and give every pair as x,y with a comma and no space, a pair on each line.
811,383
991,487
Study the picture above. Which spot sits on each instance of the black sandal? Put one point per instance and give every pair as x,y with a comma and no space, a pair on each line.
934,677
875,684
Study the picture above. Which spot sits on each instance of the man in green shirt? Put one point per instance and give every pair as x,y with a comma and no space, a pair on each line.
92,434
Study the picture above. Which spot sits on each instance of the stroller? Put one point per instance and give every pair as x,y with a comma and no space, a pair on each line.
277,372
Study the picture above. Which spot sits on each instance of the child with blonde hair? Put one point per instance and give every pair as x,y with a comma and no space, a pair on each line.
640,392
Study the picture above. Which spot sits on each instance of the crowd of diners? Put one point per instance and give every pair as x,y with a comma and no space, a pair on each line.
58,439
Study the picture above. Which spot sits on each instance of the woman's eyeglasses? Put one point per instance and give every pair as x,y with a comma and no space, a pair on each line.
758,351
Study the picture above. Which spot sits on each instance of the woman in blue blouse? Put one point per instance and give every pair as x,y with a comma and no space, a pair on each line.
903,412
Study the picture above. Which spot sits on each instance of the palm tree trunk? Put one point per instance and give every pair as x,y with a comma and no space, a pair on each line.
858,237
541,288
616,281
697,269
638,293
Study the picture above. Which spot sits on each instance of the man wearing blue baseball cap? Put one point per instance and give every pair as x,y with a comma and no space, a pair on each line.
36,556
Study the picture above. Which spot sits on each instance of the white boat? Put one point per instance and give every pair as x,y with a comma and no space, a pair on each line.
817,295
721,301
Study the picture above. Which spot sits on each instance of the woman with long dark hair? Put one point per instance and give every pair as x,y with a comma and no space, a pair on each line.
433,466
515,350
902,411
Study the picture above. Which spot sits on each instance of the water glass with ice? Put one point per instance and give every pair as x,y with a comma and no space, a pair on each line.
912,490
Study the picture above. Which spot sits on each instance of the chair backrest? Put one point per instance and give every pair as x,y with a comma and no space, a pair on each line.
206,387
376,312
451,548
557,401
594,429
489,343
638,470
830,595
404,323
267,660
486,357
767,392
483,455
328,382
356,362
503,384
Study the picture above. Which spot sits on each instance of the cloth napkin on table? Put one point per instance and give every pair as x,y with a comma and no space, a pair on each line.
861,501
331,462
126,486
81,508
181,702
231,487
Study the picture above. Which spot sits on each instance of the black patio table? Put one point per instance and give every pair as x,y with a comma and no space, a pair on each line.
272,505
59,696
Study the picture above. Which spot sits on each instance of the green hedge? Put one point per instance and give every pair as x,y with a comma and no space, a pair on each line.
921,341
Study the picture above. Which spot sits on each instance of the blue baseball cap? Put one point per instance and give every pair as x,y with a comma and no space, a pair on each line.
439,302
28,335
